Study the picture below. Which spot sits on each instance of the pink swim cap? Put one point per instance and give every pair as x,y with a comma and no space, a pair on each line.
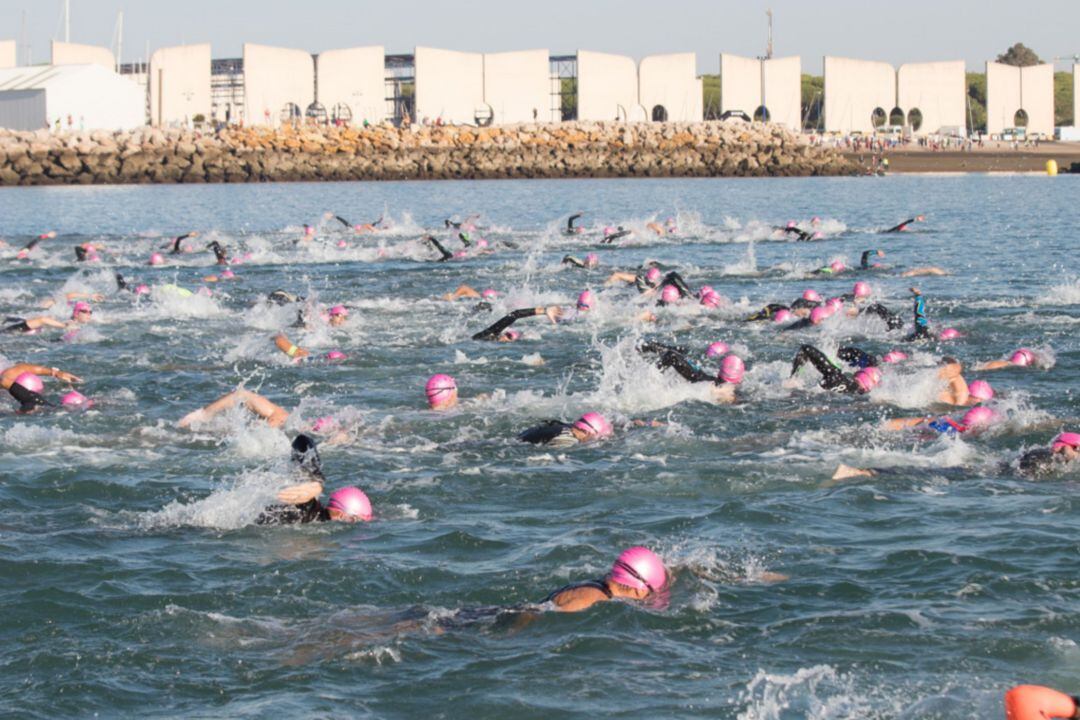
811,295
142,289
81,307
790,224
875,372
861,290
652,275
712,299
441,391
308,230
335,355
981,390
817,236
489,294
819,314
1022,357
716,349
482,243
592,260
894,356
639,568
834,304
512,335
837,265
352,501
594,425
460,254
705,290
30,381
1066,439
976,416
324,424
782,316
157,259
815,220
227,274
949,334
608,230
342,244
732,369
866,380
585,300
75,399
339,310
670,294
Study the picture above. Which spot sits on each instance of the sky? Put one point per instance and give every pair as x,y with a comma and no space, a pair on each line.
897,32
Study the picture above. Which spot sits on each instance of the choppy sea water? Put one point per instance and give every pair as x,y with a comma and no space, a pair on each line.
135,582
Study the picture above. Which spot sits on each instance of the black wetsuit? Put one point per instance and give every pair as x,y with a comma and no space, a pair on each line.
281,297
1041,461
81,253
20,326
600,585
493,332
570,229
899,228
832,377
575,261
803,236
446,254
675,358
922,327
27,399
620,233
892,320
32,244
855,357
864,261
804,304
551,432
465,239
766,313
176,250
219,252
305,454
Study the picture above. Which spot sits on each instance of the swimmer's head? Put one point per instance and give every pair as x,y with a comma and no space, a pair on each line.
227,274
652,275
670,294
639,568
705,290
1066,441
949,334
342,244
981,390
861,290
142,289
819,314
585,301
489,294
712,299
156,259
837,266
510,335
349,504
309,230
442,392
608,230
791,224
593,425
81,312
481,243
30,381
592,260
811,295
336,356
732,369
866,380
815,220
834,304
978,416
716,349
1022,357
782,316
324,425
338,315
75,399
894,356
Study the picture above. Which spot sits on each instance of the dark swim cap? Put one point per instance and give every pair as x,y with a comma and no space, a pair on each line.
306,454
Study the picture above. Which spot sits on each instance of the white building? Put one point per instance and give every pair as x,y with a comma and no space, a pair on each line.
32,98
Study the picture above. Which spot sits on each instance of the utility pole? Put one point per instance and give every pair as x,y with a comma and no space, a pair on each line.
119,39
67,21
768,48
26,46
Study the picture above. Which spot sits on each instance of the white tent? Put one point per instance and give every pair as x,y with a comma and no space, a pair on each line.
32,98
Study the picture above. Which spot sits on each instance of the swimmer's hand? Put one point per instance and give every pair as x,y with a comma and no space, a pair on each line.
554,313
773,577
915,291
66,376
300,494
647,316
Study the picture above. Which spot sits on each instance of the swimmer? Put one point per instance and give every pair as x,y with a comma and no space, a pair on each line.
892,320
466,224
657,228
921,325
463,291
832,376
282,297
817,316
28,248
649,279
590,426
87,252
957,391
219,252
337,316
1063,451
177,243
499,331
1024,357
901,227
23,381
834,268
591,260
975,418
442,392
637,574
922,271
615,234
730,374
1036,702
300,503
443,252
864,260
792,229
274,415
287,346
572,229
81,313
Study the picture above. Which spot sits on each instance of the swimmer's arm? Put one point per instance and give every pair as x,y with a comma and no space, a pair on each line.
993,365
462,291
620,277
300,493
274,415
493,331
957,393
916,272
906,423
1037,702
287,346
9,375
578,599
36,323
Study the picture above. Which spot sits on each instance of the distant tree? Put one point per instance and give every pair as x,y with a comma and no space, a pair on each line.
976,98
710,90
1019,55
813,98
1063,99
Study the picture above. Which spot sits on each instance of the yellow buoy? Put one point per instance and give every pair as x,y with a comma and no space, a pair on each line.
1051,167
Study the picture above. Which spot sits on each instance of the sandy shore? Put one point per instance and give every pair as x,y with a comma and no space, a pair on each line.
999,158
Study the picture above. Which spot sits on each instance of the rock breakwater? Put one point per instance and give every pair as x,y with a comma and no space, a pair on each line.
383,152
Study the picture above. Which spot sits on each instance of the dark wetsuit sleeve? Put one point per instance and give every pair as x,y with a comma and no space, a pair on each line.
798,325
892,320
864,262
19,327
680,364
804,236
571,260
464,238
1036,462
177,241
832,377
545,433
311,511
343,221
675,279
901,226
32,244
446,254
28,399
804,304
80,253
595,584
570,222
855,357
616,235
493,331
766,313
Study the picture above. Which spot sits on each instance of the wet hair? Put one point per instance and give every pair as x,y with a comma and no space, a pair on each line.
306,455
